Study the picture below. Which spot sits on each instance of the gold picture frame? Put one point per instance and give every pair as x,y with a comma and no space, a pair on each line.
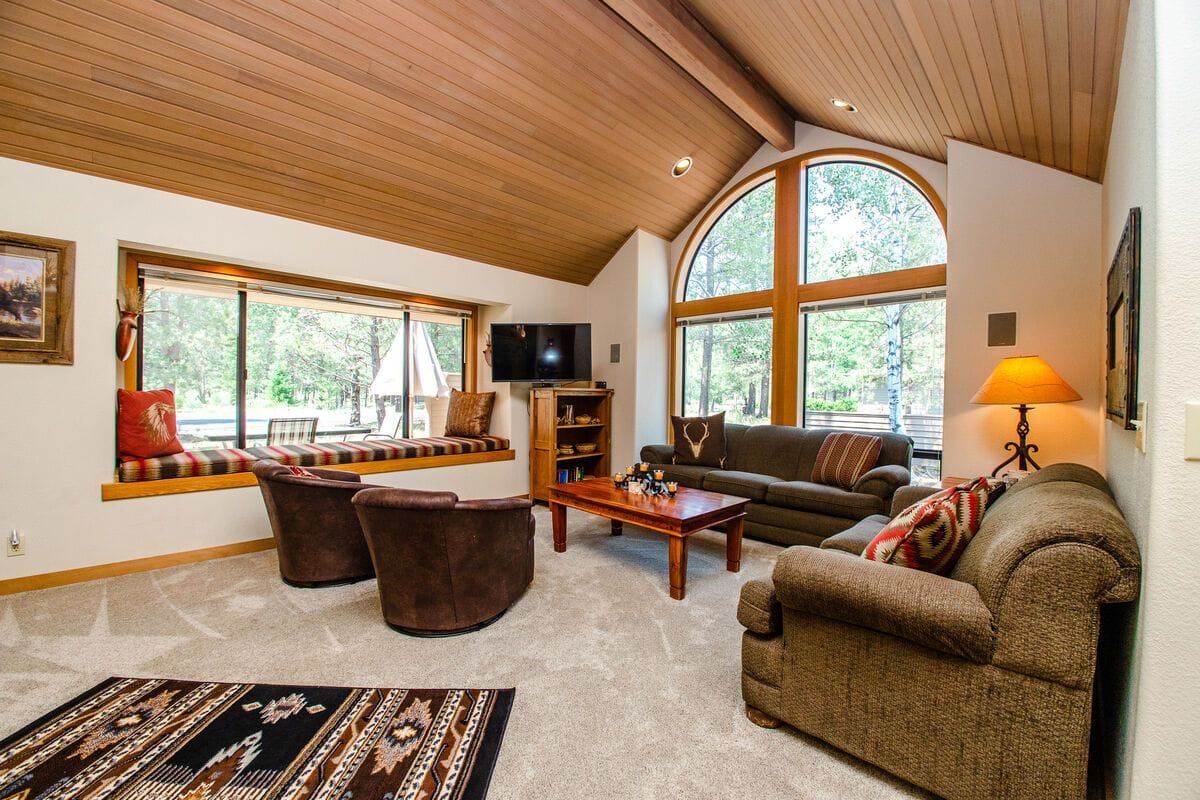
37,299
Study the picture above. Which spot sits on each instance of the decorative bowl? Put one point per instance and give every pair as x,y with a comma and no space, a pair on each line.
566,450
582,419
586,447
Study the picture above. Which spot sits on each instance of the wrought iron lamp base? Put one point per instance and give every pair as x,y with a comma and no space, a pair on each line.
1022,451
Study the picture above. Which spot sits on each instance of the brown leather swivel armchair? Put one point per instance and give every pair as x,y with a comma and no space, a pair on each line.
316,531
446,566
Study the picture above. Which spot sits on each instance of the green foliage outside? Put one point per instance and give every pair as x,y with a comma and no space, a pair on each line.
300,361
861,220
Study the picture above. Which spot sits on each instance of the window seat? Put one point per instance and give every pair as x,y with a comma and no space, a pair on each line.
203,470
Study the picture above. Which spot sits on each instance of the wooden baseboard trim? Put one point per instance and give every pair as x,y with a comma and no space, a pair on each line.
208,483
83,574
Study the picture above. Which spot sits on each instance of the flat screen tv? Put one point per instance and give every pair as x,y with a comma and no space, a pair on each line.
542,352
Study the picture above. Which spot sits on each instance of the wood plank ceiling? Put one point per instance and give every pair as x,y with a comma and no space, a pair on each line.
533,135
1033,78
530,134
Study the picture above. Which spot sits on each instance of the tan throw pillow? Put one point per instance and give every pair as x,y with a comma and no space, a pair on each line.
470,413
699,440
844,458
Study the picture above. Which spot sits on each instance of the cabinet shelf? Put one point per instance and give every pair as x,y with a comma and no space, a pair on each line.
580,455
584,425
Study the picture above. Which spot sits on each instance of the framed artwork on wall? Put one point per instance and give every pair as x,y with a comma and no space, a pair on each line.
37,299
1124,289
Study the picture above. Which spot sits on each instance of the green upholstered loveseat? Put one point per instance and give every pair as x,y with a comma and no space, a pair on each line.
772,465
976,686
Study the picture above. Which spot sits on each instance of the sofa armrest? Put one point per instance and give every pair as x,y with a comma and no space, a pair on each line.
658,453
939,613
905,496
758,608
882,481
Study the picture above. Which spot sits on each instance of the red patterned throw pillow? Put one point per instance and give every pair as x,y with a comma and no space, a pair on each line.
146,424
301,472
930,535
844,458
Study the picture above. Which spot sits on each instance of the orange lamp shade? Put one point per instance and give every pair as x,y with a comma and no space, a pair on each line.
1024,380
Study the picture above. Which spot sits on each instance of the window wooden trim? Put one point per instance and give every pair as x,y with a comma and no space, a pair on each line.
788,293
135,258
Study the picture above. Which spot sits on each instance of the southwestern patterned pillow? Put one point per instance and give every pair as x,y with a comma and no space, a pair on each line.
930,535
470,413
699,440
146,424
844,458
301,472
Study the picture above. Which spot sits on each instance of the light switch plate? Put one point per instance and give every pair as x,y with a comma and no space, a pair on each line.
1139,438
1191,431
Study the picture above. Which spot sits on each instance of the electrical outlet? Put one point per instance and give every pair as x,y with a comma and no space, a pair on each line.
15,543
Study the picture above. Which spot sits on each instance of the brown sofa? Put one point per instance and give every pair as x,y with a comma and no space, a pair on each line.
445,565
317,535
772,464
977,685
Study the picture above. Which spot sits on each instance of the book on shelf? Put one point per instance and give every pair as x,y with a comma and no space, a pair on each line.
571,474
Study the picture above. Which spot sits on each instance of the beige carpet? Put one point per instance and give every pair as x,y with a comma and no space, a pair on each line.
621,691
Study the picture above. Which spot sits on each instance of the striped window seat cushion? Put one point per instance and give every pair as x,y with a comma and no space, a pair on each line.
191,464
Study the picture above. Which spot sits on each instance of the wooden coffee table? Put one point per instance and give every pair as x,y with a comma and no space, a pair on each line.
678,517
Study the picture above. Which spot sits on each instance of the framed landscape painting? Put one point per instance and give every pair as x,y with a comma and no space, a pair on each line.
1124,289
37,284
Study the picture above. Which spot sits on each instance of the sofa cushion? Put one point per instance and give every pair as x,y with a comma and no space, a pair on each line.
689,475
808,496
742,484
931,534
855,539
844,458
699,440
772,450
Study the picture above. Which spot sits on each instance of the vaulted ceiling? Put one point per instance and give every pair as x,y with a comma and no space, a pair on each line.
531,134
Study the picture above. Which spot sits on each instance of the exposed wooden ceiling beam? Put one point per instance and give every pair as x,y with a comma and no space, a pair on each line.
670,26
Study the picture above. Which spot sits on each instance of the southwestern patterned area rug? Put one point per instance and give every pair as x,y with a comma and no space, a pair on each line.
152,739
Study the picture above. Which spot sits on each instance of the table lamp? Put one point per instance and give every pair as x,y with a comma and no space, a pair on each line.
1022,381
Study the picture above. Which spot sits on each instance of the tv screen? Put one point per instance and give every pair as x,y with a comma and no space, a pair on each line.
542,352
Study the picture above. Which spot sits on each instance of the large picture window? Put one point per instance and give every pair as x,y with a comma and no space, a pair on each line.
240,353
843,256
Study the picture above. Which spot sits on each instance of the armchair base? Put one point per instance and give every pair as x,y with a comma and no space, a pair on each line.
323,584
436,634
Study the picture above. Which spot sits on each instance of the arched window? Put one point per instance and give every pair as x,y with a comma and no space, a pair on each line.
816,297
738,252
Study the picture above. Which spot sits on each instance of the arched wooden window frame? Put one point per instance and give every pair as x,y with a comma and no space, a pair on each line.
788,293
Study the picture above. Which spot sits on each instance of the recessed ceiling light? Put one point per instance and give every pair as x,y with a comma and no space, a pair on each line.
844,105
681,167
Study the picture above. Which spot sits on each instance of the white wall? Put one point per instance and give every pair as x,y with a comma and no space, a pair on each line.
1153,164
627,305
1023,238
58,430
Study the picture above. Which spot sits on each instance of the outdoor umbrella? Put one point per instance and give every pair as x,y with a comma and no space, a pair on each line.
427,378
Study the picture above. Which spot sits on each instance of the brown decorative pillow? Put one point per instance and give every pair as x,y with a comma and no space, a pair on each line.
844,458
470,413
699,440
146,424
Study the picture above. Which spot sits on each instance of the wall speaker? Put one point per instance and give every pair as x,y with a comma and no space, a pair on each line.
1002,329
614,354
